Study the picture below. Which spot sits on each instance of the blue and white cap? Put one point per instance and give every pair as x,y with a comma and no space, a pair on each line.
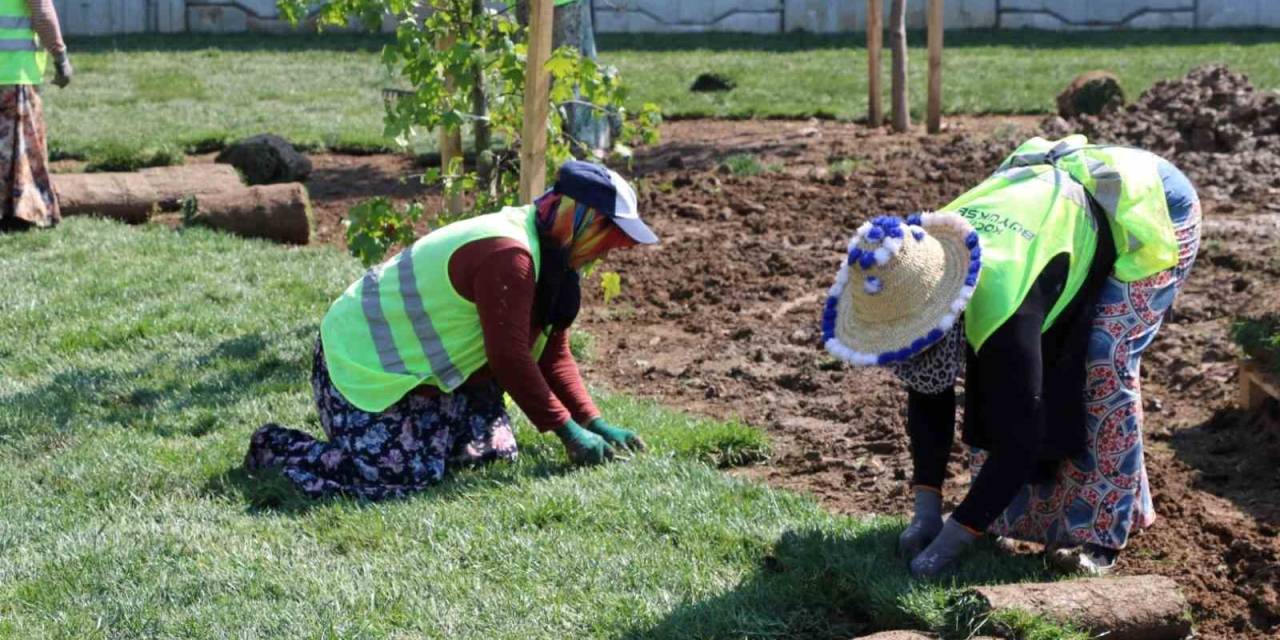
604,190
901,287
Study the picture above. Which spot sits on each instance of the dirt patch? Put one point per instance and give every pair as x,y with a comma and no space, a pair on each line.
1224,132
722,318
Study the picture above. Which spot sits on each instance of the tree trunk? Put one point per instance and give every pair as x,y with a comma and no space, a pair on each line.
450,139
483,131
898,41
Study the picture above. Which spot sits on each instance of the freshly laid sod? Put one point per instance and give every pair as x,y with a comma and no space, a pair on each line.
134,364
151,95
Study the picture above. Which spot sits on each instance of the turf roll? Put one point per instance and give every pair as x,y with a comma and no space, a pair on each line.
279,212
1123,608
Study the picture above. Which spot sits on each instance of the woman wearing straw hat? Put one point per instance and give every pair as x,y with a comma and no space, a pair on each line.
1042,286
413,359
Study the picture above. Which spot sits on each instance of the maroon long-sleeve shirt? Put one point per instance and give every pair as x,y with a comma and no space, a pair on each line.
496,274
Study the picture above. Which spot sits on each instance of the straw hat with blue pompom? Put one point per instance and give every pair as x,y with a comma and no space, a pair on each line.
902,287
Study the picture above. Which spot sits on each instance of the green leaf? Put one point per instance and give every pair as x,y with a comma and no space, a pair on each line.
611,285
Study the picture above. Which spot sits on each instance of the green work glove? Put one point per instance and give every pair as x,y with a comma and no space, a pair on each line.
620,438
583,446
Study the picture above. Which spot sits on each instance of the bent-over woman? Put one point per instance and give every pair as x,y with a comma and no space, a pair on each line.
1041,287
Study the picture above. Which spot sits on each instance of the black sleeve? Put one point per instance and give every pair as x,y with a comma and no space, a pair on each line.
931,420
1004,394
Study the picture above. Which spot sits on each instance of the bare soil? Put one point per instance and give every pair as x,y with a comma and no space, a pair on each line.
722,319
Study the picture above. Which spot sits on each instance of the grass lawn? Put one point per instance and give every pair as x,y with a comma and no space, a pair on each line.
134,364
150,95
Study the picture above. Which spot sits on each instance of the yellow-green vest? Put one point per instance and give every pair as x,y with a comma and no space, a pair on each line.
21,59
1024,216
1126,183
403,324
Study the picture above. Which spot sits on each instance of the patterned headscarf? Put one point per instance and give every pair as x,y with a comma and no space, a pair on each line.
571,235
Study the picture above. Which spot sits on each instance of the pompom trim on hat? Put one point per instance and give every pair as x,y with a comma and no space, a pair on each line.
888,232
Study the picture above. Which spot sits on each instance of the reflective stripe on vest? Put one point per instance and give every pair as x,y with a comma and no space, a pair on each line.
1025,216
18,45
1126,183
21,60
403,325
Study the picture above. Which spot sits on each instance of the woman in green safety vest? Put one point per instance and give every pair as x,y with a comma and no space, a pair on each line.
1042,286
413,359
28,29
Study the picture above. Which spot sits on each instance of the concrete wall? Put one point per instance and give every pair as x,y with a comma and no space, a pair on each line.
96,17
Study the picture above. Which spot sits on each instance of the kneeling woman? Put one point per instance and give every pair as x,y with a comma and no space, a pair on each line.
1043,285
412,361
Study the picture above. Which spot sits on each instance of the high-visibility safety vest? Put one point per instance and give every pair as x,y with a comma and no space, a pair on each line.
1024,216
21,59
403,324
1036,206
1126,183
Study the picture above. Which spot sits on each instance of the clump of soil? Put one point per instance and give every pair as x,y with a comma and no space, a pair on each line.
1091,93
1224,132
712,82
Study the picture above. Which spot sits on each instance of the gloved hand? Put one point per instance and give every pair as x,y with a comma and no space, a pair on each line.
582,446
925,524
62,70
949,545
618,438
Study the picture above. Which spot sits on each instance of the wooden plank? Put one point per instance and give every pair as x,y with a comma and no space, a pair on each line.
875,46
898,43
1256,385
934,109
537,89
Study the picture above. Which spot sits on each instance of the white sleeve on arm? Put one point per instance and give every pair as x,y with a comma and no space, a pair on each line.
44,20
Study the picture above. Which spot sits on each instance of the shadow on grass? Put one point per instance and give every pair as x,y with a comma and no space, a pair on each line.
817,584
1236,454
151,395
268,492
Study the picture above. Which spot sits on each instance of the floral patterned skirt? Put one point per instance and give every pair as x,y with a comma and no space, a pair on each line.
26,194
389,454
1099,496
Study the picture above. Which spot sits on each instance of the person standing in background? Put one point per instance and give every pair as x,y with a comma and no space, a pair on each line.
29,37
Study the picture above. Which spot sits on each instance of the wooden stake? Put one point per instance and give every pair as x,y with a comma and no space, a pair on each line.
537,86
934,109
898,42
875,44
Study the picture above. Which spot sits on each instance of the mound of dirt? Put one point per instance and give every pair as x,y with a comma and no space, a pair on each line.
1224,132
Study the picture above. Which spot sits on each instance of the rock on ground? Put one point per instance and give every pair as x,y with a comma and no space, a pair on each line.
1091,93
267,159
